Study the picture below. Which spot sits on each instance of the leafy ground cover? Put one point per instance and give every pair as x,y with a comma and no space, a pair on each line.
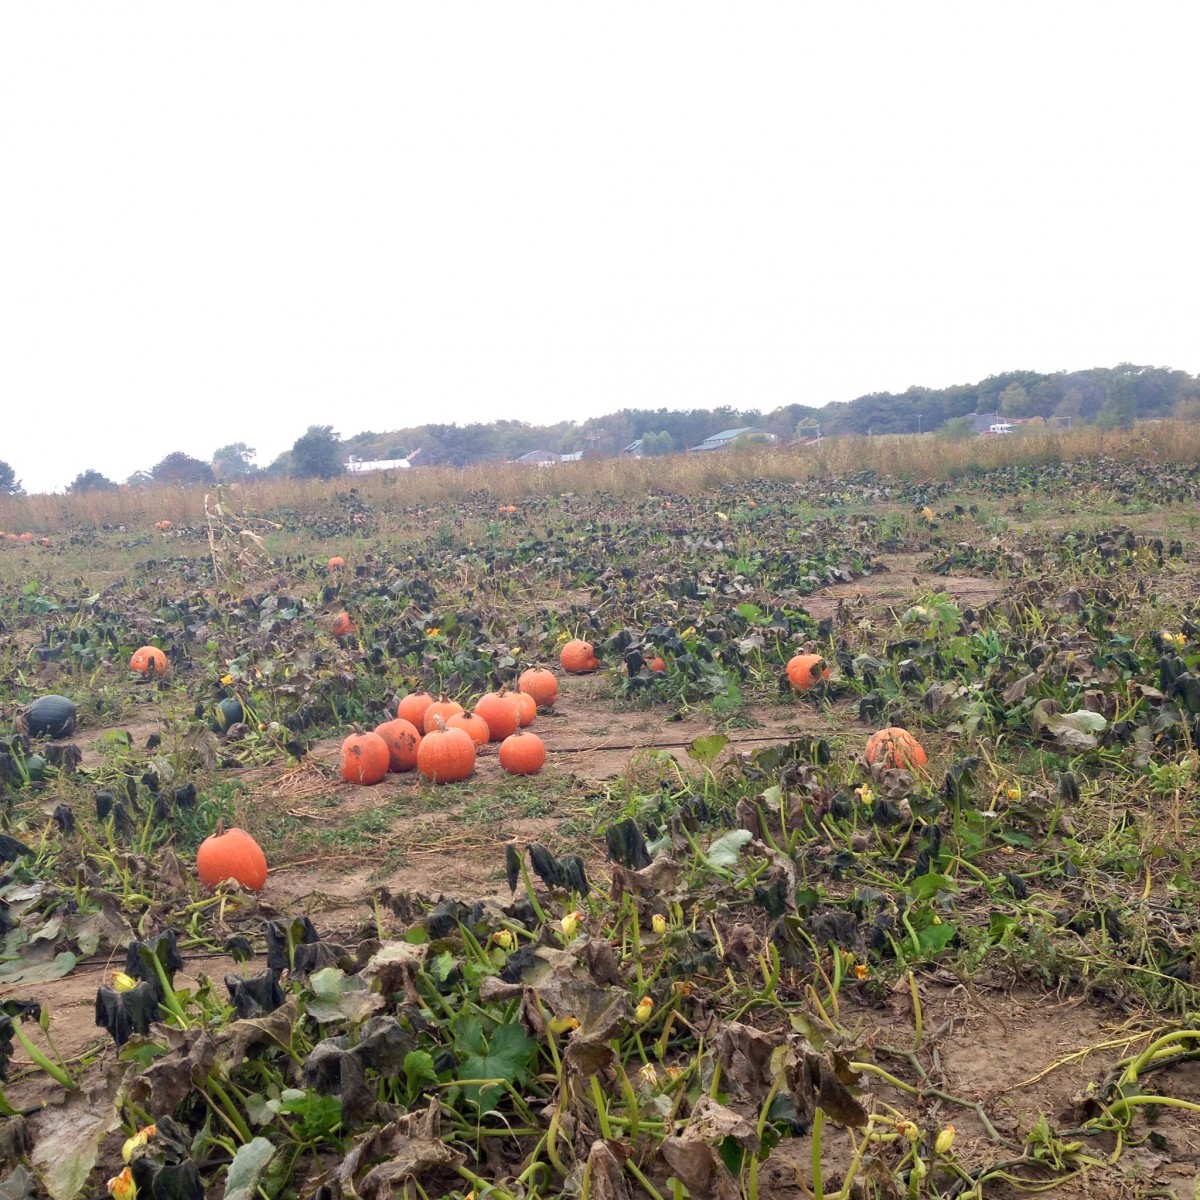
709,950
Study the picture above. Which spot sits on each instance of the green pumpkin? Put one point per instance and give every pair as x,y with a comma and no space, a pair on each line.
229,712
50,716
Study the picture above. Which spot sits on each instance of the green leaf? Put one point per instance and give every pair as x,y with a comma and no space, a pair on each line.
509,1053
247,1167
925,887
935,938
41,972
418,1069
704,750
725,850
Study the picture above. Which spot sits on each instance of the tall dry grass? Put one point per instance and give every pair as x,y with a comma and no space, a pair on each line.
900,457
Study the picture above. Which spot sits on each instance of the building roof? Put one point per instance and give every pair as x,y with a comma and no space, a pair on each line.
538,456
717,440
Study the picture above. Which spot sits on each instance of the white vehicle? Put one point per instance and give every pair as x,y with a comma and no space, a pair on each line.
1001,427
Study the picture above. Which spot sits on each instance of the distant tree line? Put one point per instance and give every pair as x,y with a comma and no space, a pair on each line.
1110,397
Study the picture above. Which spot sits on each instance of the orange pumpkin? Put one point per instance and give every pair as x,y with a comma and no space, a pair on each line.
336,561
527,706
446,755
523,753
895,747
402,738
805,671
343,626
413,708
232,854
578,657
149,661
162,526
441,710
541,684
473,724
366,758
501,711
657,665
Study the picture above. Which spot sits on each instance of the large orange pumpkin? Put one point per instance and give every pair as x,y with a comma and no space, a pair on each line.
895,747
473,725
446,755
365,759
441,710
523,753
343,626
233,854
579,657
805,671
149,661
501,711
402,738
541,684
413,708
336,561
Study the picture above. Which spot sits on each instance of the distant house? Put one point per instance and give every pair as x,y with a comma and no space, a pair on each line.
726,438
539,458
356,466
573,457
633,450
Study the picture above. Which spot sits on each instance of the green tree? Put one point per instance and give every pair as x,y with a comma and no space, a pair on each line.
654,444
90,481
235,461
1015,401
317,454
10,485
179,468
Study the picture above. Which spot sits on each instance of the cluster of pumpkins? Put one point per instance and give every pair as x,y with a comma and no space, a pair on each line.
23,539
441,739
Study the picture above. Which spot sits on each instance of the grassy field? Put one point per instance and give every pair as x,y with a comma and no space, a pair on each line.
710,949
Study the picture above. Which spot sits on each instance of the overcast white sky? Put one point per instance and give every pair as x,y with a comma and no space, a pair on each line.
224,222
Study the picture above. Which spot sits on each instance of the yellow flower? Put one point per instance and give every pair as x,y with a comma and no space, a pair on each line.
570,922
227,679
563,1024
865,794
927,513
122,1187
908,1129
649,1074
722,517
504,939
645,1007
659,924
945,1139
434,632
862,971
122,982
688,632
138,1139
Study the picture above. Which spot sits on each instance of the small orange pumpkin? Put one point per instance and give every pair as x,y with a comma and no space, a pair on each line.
365,758
343,626
446,755
501,711
402,738
441,710
523,753
162,526
527,706
232,854
895,747
413,707
657,665
541,684
336,561
805,671
474,726
579,657
149,661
